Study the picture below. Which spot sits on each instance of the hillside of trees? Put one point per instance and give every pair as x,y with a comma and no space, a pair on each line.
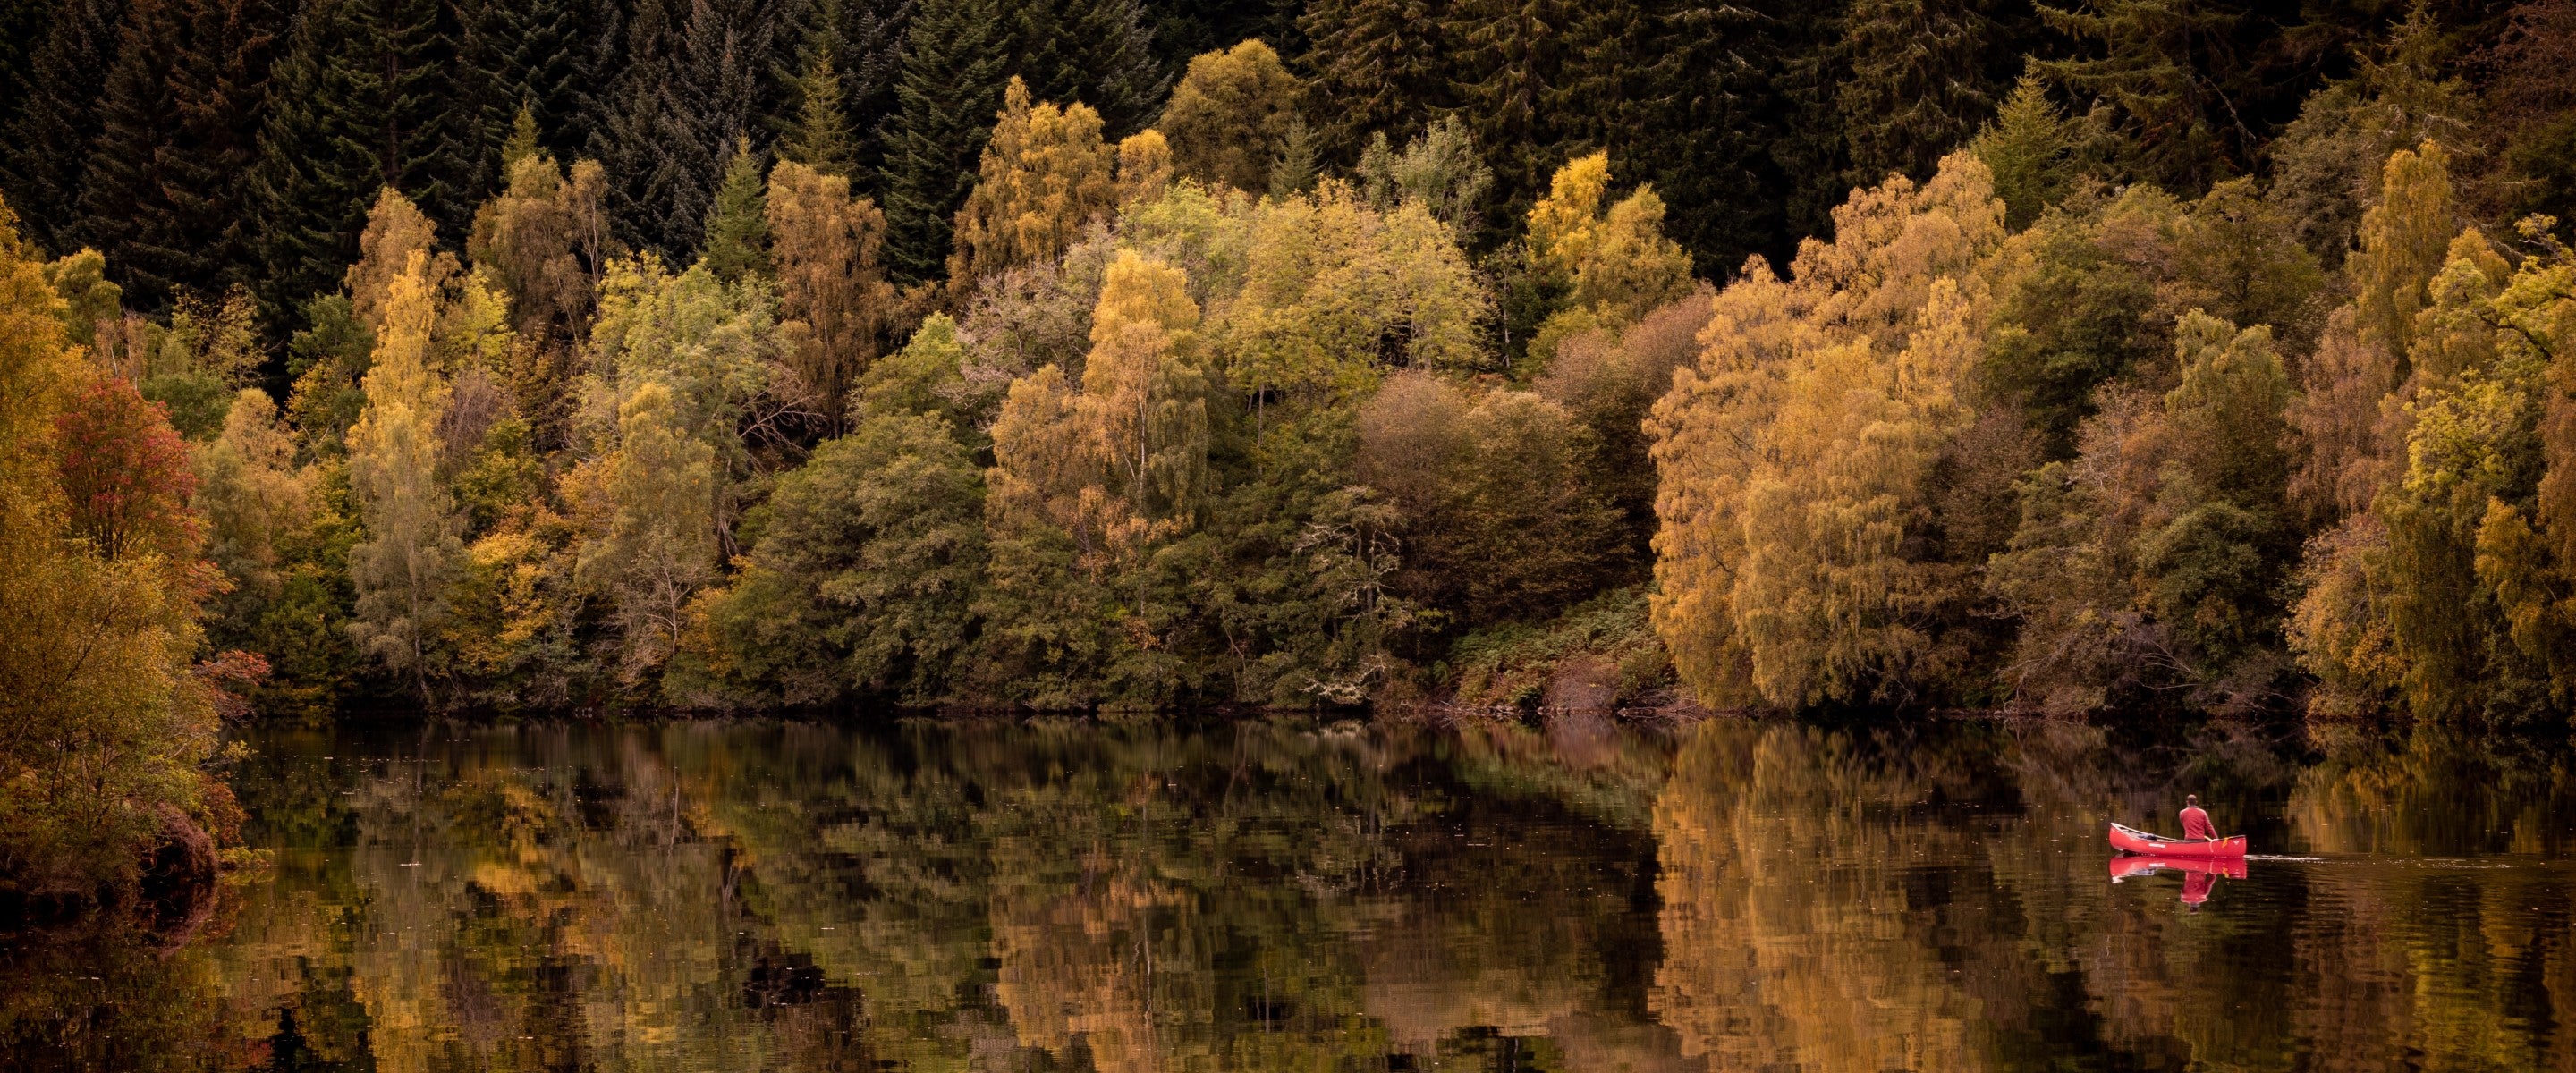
2134,356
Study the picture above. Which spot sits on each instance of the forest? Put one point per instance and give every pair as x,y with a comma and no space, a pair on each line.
2129,358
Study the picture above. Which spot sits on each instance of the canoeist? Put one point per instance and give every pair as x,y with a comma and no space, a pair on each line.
2195,823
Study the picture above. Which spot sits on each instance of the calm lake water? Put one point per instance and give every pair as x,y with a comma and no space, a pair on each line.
1294,896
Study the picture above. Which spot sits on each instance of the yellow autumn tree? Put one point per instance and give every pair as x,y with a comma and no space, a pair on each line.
835,308
1611,257
544,239
2455,595
1087,483
402,570
1336,293
396,229
1798,456
1046,175
1229,115
1123,461
2352,418
103,729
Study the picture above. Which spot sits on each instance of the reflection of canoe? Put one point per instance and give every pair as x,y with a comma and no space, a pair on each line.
2132,840
2129,867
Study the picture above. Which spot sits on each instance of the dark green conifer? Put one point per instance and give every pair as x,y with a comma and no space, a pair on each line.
954,67
46,145
22,34
863,40
165,193
737,224
1378,66
362,100
1918,85
2176,81
1109,45
821,137
698,80
516,56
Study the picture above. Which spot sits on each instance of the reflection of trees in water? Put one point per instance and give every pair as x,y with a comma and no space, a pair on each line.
1791,935
1816,916
2471,962
947,897
1003,897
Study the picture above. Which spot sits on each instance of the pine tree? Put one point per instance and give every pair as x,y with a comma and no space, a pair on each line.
1098,52
626,120
1512,56
48,140
1707,122
515,57
2031,148
1294,170
1187,28
863,41
2175,79
737,226
723,86
821,137
361,102
953,74
1377,65
1917,87
22,35
164,195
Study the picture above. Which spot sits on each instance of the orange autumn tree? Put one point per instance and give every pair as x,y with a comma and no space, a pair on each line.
1797,455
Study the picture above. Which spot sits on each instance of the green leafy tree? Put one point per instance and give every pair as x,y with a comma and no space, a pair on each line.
867,569
89,299
658,546
2446,599
1439,168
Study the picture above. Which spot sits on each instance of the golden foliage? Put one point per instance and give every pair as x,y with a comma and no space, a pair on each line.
835,307
1797,456
1229,116
1046,176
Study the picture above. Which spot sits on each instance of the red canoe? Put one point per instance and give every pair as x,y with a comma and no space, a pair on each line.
2132,840
2127,867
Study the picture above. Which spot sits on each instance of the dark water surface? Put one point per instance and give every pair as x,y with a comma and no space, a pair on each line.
1289,896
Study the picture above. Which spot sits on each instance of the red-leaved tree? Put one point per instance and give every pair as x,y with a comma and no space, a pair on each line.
125,472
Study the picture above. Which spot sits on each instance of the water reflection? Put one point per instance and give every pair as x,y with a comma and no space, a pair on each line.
1742,895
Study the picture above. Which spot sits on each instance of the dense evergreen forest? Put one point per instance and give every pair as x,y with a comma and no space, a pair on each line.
2137,355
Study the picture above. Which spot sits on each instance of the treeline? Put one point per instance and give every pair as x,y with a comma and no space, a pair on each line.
2144,355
